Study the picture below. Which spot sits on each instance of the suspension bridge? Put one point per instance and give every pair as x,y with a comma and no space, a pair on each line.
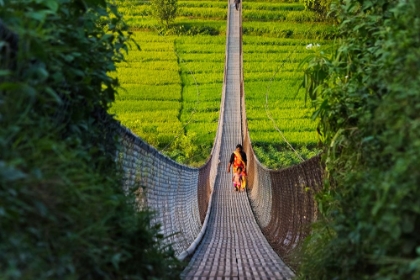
222,233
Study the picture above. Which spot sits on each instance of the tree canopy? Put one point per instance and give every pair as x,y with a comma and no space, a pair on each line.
165,10
63,213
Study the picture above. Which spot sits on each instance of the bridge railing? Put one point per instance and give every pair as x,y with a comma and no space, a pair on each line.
178,194
283,202
181,195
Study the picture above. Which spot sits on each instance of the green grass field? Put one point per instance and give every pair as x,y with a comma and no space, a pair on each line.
171,91
279,120
172,87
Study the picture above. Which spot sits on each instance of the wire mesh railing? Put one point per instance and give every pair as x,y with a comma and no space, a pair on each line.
283,201
178,194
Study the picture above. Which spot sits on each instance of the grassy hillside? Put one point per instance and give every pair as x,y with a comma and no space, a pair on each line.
173,85
171,92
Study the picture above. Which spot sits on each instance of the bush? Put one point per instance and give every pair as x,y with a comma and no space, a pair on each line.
366,96
321,7
63,214
165,11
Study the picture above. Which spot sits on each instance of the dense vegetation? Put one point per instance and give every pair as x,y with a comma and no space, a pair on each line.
173,86
63,214
367,95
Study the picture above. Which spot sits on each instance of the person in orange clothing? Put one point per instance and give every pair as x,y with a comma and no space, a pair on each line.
238,160
243,180
237,2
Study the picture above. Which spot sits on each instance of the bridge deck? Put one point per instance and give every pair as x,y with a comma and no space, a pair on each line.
233,246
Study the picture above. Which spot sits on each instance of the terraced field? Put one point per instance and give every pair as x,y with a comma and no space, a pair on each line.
173,85
279,120
171,92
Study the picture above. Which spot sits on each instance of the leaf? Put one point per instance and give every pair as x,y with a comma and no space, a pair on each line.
54,95
336,136
4,72
38,15
52,4
9,173
116,259
23,88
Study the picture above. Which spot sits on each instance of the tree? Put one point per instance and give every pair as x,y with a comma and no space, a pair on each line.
321,7
366,95
165,10
63,212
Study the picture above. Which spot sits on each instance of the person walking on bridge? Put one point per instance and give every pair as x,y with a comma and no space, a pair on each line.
238,160
237,4
237,179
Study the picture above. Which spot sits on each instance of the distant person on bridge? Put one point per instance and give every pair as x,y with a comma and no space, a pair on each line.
237,179
238,160
237,4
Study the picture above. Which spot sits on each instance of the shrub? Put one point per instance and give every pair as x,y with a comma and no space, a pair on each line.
165,10
63,214
321,7
366,95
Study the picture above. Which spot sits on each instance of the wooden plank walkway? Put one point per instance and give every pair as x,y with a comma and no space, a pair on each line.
233,246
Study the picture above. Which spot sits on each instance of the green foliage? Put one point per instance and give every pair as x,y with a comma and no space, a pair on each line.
366,94
184,149
63,214
321,7
164,10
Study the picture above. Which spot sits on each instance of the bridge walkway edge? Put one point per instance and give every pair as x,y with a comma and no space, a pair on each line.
233,245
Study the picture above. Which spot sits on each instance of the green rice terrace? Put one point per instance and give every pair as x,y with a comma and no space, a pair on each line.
172,86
